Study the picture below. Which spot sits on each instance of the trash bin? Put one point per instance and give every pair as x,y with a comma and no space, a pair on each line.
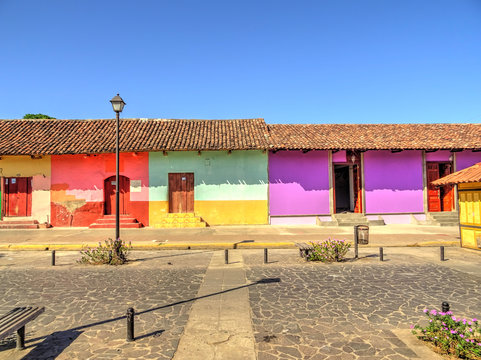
362,232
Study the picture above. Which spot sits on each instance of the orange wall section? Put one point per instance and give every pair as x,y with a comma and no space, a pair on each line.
77,190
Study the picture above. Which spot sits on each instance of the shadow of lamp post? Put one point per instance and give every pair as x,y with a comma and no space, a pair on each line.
118,105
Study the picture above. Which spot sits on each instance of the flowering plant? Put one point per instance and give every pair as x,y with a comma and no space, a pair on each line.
113,252
451,335
328,250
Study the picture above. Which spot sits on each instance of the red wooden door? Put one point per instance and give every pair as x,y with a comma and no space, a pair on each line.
181,193
447,191
18,196
434,200
357,189
124,195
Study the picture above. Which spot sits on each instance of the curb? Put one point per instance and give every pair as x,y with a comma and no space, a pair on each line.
202,246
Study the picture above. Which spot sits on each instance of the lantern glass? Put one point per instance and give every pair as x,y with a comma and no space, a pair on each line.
117,103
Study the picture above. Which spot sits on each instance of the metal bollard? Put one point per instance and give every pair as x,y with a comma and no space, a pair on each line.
53,257
356,244
445,307
130,324
266,259
226,256
21,338
441,253
381,254
336,255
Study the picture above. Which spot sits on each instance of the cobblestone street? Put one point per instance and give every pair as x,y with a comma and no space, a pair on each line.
85,305
350,310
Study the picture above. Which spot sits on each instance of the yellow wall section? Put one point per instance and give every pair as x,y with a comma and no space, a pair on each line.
40,171
157,210
237,212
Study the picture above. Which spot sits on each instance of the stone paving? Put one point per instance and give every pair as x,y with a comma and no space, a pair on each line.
350,310
85,305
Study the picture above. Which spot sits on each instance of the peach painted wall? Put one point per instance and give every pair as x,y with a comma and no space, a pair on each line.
77,192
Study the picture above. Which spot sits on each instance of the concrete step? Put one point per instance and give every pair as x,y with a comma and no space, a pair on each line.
378,222
171,220
19,222
19,226
123,220
112,226
179,215
179,225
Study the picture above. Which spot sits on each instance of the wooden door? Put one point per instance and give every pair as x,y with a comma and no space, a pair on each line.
447,191
434,200
18,196
181,193
124,195
357,189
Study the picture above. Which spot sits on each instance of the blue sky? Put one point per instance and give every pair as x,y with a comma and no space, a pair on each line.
324,61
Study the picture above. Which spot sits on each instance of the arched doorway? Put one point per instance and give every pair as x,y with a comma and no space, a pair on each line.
124,195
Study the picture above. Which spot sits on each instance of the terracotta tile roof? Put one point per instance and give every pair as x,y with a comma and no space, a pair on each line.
375,136
470,174
49,137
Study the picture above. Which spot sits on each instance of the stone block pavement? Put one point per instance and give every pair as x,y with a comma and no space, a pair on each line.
190,305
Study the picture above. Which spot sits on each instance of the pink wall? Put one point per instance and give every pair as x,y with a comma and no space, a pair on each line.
466,159
440,155
298,183
77,190
393,181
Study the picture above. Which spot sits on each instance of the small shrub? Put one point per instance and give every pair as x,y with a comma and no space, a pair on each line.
328,250
450,335
113,252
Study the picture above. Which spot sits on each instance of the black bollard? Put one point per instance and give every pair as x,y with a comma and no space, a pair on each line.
336,254
130,324
53,257
445,307
21,338
441,253
266,259
381,254
226,256
356,246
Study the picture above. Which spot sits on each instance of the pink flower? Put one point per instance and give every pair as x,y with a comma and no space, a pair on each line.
412,326
453,317
433,312
461,335
449,313
475,319
425,311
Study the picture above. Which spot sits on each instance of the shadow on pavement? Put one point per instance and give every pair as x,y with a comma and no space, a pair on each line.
52,345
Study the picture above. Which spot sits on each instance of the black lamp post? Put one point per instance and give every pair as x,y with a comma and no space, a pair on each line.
118,105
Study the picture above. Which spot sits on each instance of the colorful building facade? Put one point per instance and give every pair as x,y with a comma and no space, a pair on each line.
229,172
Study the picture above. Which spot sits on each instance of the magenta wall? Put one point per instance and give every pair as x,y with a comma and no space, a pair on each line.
466,159
393,182
298,183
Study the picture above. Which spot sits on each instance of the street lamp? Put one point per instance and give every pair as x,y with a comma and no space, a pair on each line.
118,105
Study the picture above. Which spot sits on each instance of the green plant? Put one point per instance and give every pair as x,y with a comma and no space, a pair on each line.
37,116
113,252
328,250
451,335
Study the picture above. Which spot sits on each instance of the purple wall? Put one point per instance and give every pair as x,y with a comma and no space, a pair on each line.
466,159
441,155
393,181
298,183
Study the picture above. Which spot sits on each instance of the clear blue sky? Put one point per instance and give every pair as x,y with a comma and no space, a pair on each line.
324,61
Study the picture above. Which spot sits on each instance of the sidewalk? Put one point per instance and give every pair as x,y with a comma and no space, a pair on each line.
221,237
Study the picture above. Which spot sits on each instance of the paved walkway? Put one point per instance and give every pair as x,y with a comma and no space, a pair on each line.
221,237
219,324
